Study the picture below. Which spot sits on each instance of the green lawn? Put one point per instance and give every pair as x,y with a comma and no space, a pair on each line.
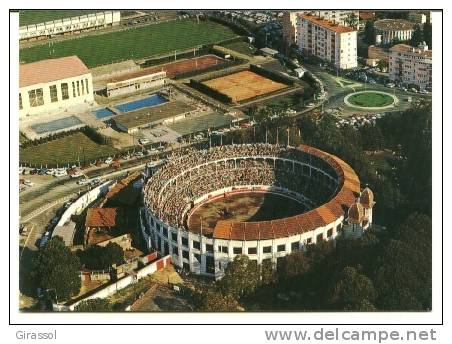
66,150
29,17
371,99
132,43
241,47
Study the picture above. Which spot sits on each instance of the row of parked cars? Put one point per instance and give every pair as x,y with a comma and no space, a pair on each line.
358,121
56,172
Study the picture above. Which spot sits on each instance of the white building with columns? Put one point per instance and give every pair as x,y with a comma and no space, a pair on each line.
388,30
53,85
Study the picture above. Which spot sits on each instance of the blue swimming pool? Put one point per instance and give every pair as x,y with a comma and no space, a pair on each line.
152,100
58,124
102,113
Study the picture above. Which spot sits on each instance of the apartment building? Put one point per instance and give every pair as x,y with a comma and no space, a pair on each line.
290,21
328,41
411,65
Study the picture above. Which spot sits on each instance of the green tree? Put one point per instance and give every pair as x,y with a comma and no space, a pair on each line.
402,278
94,305
416,36
369,33
293,265
57,267
98,257
211,300
382,65
352,20
241,277
114,254
352,291
427,34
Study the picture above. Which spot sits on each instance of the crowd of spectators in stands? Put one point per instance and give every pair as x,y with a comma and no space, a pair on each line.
193,173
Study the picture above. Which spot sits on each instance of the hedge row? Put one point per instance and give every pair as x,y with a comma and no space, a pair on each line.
50,137
170,58
210,91
92,133
275,76
237,28
203,50
97,137
210,69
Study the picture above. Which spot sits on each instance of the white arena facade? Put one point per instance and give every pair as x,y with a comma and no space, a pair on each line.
326,187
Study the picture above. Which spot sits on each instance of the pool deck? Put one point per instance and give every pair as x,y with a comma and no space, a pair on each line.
82,112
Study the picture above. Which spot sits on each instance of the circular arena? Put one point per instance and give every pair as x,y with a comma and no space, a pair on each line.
204,207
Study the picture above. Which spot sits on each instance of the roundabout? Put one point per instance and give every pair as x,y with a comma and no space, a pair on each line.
371,100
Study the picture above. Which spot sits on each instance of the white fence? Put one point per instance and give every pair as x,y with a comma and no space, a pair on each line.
120,284
80,204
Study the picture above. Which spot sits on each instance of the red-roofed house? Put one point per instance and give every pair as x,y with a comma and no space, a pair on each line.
54,84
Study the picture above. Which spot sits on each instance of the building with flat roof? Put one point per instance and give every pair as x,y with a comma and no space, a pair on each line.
290,21
411,65
53,84
150,116
70,25
135,81
388,30
66,232
328,41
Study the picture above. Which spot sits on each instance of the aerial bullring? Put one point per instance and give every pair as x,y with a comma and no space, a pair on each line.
204,207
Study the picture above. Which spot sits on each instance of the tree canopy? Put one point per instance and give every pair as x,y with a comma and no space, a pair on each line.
98,257
94,305
57,267
417,36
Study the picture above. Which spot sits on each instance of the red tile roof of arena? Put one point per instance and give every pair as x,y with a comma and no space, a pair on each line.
348,192
251,231
50,70
238,231
222,230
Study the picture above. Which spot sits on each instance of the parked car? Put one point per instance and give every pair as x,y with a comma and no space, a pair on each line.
60,173
109,160
28,183
143,141
77,174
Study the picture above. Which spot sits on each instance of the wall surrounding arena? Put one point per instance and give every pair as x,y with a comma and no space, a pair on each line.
185,254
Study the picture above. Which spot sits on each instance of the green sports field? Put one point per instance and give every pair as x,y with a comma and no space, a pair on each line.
371,99
241,47
29,17
66,150
134,43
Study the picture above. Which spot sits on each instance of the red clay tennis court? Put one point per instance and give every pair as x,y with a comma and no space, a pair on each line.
244,85
175,68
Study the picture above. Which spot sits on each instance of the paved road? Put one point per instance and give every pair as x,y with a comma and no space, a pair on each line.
336,92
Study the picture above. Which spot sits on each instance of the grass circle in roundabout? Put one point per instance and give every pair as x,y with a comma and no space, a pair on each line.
371,100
